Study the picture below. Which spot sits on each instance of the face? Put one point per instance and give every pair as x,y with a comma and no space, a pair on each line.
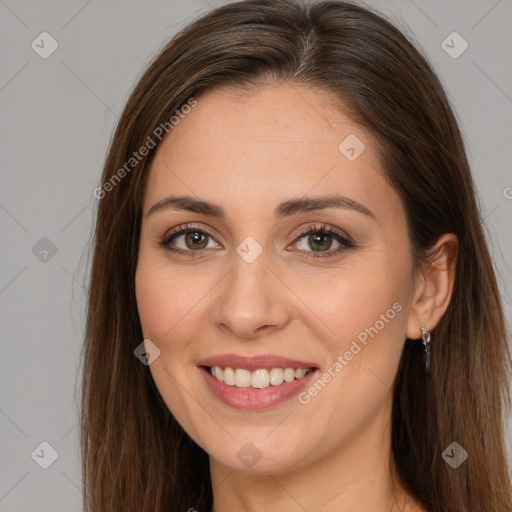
266,281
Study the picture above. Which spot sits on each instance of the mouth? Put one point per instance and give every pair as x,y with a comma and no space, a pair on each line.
258,379
256,382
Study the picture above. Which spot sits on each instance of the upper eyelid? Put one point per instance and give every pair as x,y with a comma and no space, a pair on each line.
183,229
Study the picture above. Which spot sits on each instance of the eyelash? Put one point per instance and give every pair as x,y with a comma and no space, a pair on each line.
345,242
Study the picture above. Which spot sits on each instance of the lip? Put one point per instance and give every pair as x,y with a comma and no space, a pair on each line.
255,362
253,398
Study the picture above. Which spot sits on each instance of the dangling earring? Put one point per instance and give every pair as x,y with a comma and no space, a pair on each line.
425,336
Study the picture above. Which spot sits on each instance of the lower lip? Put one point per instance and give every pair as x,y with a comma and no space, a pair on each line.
253,398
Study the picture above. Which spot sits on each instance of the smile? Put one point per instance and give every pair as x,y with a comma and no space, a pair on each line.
259,379
255,382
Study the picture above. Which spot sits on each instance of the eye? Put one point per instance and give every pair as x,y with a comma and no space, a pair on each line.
320,239
188,239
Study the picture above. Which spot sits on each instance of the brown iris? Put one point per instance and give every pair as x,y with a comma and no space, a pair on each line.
196,238
315,240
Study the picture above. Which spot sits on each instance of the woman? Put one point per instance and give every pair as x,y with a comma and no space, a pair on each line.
292,305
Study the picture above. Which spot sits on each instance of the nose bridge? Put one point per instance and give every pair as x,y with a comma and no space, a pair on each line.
249,299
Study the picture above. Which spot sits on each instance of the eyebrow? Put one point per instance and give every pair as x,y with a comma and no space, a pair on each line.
284,209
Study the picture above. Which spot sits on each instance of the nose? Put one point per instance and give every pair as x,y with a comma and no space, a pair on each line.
251,301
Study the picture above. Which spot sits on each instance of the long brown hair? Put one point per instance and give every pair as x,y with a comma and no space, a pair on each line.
135,456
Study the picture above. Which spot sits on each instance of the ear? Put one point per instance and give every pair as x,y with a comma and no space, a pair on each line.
433,286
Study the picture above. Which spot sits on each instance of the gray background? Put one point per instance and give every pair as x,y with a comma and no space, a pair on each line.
57,116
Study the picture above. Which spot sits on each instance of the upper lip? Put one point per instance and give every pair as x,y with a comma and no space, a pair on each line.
255,362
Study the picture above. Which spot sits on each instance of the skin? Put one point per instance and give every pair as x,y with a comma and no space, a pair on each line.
239,148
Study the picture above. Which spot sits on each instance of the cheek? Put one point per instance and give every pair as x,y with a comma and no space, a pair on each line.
154,303
355,300
167,301
169,318
363,316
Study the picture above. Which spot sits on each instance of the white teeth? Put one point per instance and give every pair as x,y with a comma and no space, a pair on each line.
218,373
261,378
276,376
242,378
289,374
229,376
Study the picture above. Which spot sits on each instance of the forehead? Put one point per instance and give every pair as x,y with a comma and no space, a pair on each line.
249,149
263,122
